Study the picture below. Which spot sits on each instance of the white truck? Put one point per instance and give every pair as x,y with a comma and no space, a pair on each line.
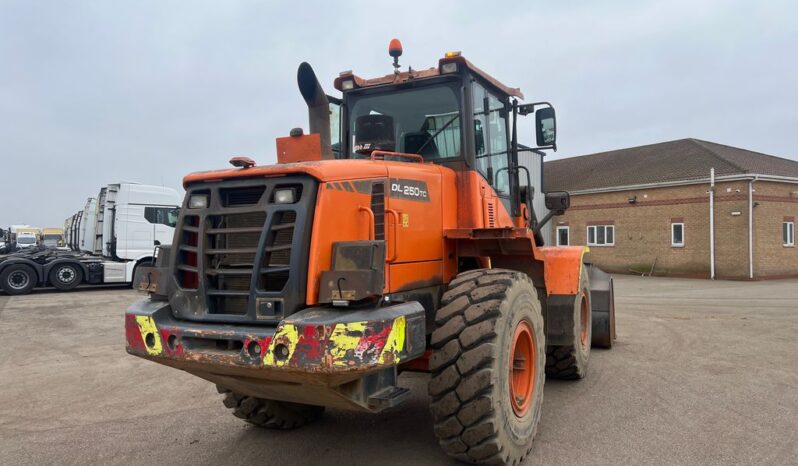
109,238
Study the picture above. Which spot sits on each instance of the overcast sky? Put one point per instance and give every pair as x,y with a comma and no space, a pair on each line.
97,92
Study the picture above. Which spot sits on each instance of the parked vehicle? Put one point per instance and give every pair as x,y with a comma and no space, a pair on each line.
27,237
108,240
53,237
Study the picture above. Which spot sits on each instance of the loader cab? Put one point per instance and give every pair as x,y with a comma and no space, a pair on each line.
454,115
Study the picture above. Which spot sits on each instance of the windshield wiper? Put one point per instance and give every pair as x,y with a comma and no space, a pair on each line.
431,138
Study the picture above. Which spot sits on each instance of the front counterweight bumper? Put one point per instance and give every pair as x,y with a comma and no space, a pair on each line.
317,355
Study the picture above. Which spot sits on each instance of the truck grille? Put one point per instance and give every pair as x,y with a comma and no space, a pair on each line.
243,258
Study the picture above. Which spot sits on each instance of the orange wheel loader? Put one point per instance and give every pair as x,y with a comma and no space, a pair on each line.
404,232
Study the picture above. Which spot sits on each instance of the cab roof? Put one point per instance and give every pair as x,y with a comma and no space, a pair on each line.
411,74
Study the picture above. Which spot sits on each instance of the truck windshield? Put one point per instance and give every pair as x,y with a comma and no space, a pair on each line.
26,240
422,121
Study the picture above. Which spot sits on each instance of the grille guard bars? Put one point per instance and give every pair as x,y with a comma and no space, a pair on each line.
318,345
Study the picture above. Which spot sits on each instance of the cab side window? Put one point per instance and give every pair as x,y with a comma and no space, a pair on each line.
490,138
161,215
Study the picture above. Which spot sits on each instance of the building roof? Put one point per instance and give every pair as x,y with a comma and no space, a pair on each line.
672,161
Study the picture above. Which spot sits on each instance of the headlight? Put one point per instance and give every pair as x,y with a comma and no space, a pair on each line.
348,84
198,201
284,196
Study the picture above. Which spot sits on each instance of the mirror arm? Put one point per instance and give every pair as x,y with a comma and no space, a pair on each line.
546,219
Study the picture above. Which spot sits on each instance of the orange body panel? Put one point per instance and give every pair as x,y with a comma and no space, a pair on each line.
562,266
293,149
414,275
433,215
413,221
339,216
325,170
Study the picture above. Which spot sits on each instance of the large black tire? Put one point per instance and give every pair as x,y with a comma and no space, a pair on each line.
18,279
474,367
66,276
571,361
270,414
602,300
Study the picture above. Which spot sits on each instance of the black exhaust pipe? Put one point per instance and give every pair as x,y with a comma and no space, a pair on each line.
318,106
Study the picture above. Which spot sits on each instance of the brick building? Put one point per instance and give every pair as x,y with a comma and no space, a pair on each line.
650,207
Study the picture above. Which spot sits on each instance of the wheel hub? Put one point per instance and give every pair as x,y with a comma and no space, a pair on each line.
18,280
522,364
66,275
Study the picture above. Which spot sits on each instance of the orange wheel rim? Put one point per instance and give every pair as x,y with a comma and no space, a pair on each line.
523,360
584,317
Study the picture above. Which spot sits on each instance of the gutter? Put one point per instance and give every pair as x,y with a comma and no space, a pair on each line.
664,184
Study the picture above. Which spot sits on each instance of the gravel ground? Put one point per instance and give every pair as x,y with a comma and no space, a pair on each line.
703,373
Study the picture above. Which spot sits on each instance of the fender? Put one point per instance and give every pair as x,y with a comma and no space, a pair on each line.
562,268
21,260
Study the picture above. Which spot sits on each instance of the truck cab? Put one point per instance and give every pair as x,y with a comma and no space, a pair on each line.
53,237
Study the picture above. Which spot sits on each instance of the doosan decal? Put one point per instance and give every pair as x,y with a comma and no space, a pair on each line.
413,190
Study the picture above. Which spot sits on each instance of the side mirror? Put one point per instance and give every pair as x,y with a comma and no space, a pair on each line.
558,202
546,127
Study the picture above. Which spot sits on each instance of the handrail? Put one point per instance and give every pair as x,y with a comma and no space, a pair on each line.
395,241
384,153
370,213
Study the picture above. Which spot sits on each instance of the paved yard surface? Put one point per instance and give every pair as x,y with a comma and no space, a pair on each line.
703,373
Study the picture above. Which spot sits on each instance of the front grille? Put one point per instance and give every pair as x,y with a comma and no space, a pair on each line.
241,196
277,257
378,207
243,258
231,245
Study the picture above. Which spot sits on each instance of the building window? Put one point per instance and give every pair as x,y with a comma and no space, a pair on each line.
788,233
601,235
563,236
677,235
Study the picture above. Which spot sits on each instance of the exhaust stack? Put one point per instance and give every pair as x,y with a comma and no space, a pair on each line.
318,107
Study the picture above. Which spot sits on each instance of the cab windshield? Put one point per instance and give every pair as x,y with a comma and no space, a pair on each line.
423,121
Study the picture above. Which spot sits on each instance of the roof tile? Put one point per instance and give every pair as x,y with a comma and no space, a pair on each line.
680,160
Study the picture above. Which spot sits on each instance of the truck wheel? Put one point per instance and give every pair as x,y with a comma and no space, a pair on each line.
488,367
570,361
270,414
18,279
66,276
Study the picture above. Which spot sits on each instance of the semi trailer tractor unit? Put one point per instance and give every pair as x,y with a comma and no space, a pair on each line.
405,241
112,237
